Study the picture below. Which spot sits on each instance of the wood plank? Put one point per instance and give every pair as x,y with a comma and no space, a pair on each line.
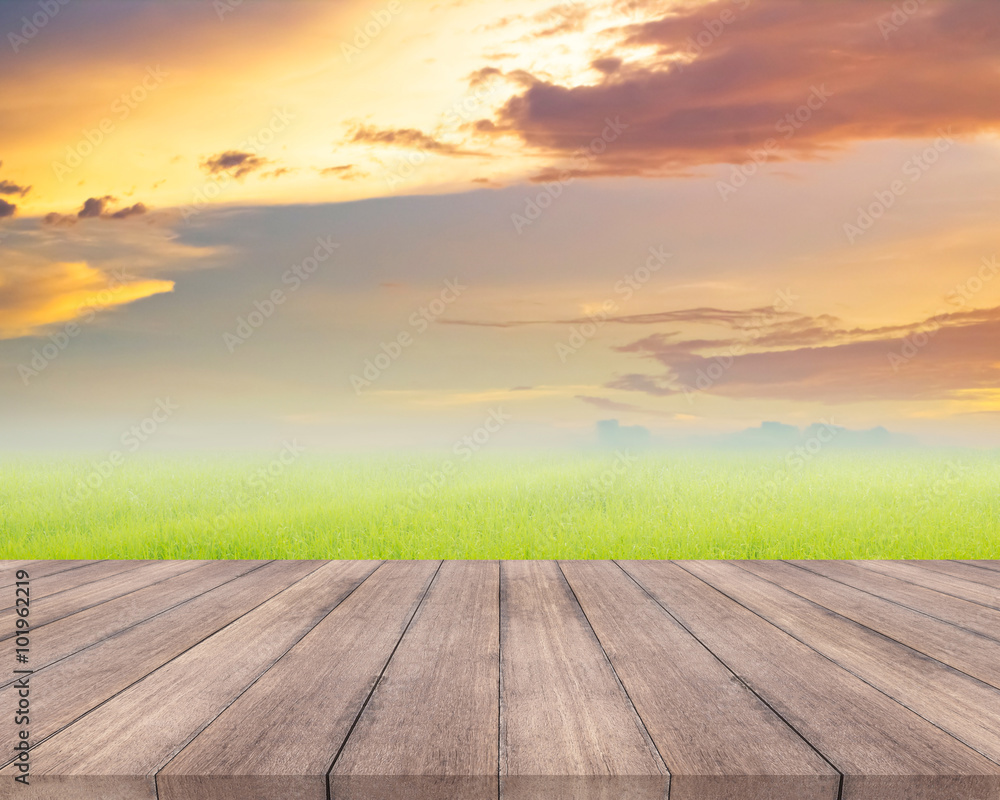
56,606
884,750
57,640
114,750
568,730
430,731
957,704
523,679
963,613
743,749
964,650
992,565
66,580
279,739
975,571
37,568
67,690
946,584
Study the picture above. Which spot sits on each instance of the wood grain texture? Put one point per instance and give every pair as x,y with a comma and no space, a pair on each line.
67,690
975,571
959,705
115,750
954,610
811,692
977,592
54,641
279,739
962,649
743,750
568,728
471,680
61,604
67,580
36,569
993,566
430,730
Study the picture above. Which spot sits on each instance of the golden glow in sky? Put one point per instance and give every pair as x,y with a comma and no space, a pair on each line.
165,166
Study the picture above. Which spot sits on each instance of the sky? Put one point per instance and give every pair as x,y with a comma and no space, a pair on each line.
382,225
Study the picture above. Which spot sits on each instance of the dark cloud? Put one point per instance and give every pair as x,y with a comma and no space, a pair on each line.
707,315
8,188
484,77
745,66
7,209
602,403
768,352
236,163
58,219
943,357
409,138
94,206
345,172
277,173
609,66
130,211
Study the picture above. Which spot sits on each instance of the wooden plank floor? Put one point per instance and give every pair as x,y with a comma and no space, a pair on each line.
591,680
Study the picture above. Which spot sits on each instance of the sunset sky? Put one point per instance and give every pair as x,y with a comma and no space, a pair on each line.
370,224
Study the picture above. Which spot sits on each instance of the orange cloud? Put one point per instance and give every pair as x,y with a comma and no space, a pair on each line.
32,300
730,76
945,357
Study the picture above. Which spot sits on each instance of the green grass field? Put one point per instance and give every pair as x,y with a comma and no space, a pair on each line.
677,505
